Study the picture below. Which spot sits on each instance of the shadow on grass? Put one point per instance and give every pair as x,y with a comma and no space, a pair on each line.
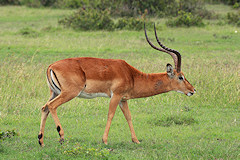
167,121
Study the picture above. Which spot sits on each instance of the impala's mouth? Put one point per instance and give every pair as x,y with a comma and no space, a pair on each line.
191,93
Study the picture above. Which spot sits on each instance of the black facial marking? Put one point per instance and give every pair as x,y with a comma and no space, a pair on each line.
40,136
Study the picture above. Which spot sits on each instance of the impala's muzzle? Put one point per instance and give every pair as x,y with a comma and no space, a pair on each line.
191,93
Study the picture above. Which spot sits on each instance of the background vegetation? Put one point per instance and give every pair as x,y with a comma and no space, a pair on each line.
169,126
103,14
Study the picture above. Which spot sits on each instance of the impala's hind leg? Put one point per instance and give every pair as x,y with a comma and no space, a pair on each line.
53,105
45,112
63,89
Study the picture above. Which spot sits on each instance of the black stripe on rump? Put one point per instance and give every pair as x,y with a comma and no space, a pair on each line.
56,79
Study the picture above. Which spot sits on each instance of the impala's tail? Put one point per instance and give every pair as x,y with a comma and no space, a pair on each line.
53,82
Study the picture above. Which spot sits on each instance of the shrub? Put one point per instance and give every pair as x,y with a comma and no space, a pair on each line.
47,3
31,3
9,2
89,19
68,4
185,19
123,7
196,7
154,7
231,2
191,5
130,23
233,18
236,5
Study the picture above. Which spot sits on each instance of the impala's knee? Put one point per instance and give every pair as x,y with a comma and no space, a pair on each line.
45,108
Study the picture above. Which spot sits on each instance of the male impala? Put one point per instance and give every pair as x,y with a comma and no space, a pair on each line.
87,77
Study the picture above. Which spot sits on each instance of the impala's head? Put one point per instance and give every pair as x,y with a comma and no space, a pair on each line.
178,81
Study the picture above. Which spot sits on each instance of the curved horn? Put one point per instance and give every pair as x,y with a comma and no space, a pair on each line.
174,56
178,62
164,49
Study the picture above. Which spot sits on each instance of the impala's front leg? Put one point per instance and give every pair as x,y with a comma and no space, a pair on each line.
125,109
112,108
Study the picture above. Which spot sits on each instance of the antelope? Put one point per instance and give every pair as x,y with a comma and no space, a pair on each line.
87,77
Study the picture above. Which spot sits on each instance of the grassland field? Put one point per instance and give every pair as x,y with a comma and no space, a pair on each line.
169,126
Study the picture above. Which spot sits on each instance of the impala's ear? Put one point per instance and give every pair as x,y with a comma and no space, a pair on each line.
170,70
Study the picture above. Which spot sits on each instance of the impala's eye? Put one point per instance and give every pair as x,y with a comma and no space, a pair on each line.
180,78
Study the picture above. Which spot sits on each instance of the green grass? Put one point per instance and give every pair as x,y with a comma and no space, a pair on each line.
170,126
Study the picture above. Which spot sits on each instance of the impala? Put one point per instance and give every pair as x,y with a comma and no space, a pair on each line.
87,77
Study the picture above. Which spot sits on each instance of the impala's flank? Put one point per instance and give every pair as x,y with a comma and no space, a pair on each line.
87,77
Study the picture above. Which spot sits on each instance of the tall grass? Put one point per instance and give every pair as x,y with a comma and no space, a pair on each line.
170,126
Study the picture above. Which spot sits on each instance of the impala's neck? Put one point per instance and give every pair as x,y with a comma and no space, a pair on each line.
146,85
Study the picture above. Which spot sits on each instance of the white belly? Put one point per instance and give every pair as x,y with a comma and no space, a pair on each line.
91,95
